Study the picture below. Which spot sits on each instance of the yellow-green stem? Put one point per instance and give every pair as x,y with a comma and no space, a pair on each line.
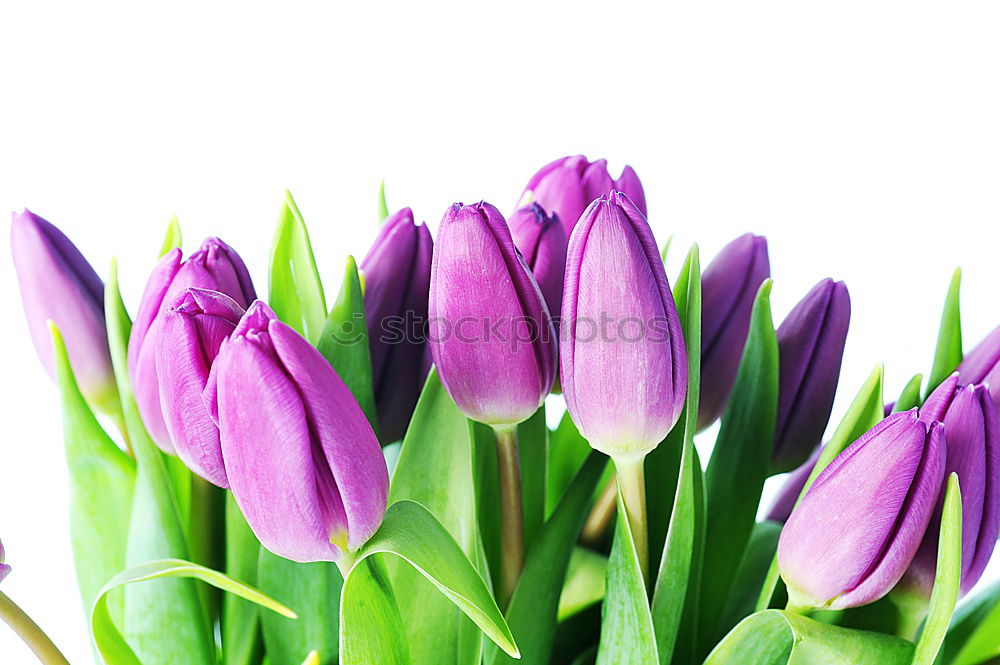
28,630
600,515
632,487
511,512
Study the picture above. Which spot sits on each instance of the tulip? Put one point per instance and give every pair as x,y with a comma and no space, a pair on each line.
397,273
541,240
810,347
624,369
858,527
190,334
4,568
301,459
58,284
728,288
566,187
972,442
216,267
791,488
982,365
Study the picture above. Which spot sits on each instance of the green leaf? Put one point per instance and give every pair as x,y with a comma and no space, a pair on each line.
568,450
101,481
738,468
584,586
752,571
773,637
344,342
977,622
679,521
435,469
241,637
947,579
948,353
413,534
109,641
172,238
627,635
533,611
155,530
296,292
533,448
865,412
910,397
370,626
383,208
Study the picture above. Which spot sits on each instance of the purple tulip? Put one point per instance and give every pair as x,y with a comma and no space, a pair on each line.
397,283
190,334
791,488
541,240
567,186
982,365
624,370
4,568
972,441
811,347
57,283
215,267
490,333
301,459
858,527
728,287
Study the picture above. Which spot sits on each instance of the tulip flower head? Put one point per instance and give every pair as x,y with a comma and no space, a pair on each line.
58,284
301,459
397,273
490,333
216,267
624,369
860,523
982,365
541,240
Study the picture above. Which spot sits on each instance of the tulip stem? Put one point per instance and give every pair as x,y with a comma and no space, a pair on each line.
632,487
511,511
28,630
600,515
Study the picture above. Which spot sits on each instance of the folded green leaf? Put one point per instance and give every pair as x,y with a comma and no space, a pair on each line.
567,452
948,353
370,626
751,573
910,397
241,637
109,641
383,208
295,289
533,444
172,238
584,586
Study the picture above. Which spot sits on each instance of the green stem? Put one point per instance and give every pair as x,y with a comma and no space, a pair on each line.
511,511
28,630
346,562
632,487
600,515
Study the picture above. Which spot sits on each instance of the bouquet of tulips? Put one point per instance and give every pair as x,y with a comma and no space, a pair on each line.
393,477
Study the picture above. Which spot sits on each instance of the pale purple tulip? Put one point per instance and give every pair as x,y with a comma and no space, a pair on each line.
57,283
624,369
541,239
859,526
982,365
190,334
301,459
811,347
728,289
567,186
397,273
216,267
4,568
490,333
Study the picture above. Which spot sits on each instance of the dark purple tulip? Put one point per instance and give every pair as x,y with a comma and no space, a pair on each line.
215,267
4,568
728,287
302,461
811,347
791,488
972,441
567,186
982,365
57,283
490,332
190,335
397,273
541,240
624,369
858,527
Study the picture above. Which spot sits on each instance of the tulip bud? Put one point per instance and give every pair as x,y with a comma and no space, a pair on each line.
728,288
301,459
190,335
58,284
791,488
541,240
858,527
4,568
624,370
215,267
982,365
567,186
972,442
811,347
397,282
491,335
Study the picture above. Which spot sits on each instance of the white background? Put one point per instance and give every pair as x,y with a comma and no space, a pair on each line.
863,138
